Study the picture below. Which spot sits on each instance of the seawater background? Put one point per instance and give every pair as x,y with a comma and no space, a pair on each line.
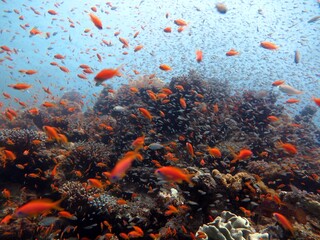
243,27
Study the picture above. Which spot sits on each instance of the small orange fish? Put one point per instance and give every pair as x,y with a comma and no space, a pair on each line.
96,21
287,147
121,167
199,56
317,101
145,113
269,45
215,152
48,104
124,41
20,86
106,74
172,210
52,12
138,48
95,183
9,155
66,214
232,52
277,83
190,149
174,174
36,207
59,56
52,133
183,103
165,67
180,22
292,100
30,72
34,31
272,118
243,154
284,222
167,30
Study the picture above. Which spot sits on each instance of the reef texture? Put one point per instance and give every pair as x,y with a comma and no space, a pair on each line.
237,165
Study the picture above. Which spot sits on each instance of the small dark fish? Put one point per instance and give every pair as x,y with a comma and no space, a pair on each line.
314,19
296,56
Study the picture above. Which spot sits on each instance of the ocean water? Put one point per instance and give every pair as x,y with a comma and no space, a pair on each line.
243,27
179,130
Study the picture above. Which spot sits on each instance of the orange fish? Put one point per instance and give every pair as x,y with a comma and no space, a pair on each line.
272,118
48,104
52,12
124,41
269,45
165,67
20,86
36,207
35,31
52,133
106,74
190,149
66,214
284,222
292,100
287,147
183,103
96,21
199,56
215,152
167,30
59,56
145,113
9,155
138,48
30,72
180,22
95,183
232,52
172,210
316,100
243,154
277,83
121,167
174,174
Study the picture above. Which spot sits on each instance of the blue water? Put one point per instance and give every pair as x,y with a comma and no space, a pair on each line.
243,27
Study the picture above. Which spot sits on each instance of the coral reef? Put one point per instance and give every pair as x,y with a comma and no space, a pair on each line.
229,226
163,124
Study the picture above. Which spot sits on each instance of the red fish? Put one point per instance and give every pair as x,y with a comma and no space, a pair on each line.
165,67
284,222
20,86
269,45
199,56
36,207
243,154
316,100
180,22
174,174
96,21
232,52
121,167
145,113
106,74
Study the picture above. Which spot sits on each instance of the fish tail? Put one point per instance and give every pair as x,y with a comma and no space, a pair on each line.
57,203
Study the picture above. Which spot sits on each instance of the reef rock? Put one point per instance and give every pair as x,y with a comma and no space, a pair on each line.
229,226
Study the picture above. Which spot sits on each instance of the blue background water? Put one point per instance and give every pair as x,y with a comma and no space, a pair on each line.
243,27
